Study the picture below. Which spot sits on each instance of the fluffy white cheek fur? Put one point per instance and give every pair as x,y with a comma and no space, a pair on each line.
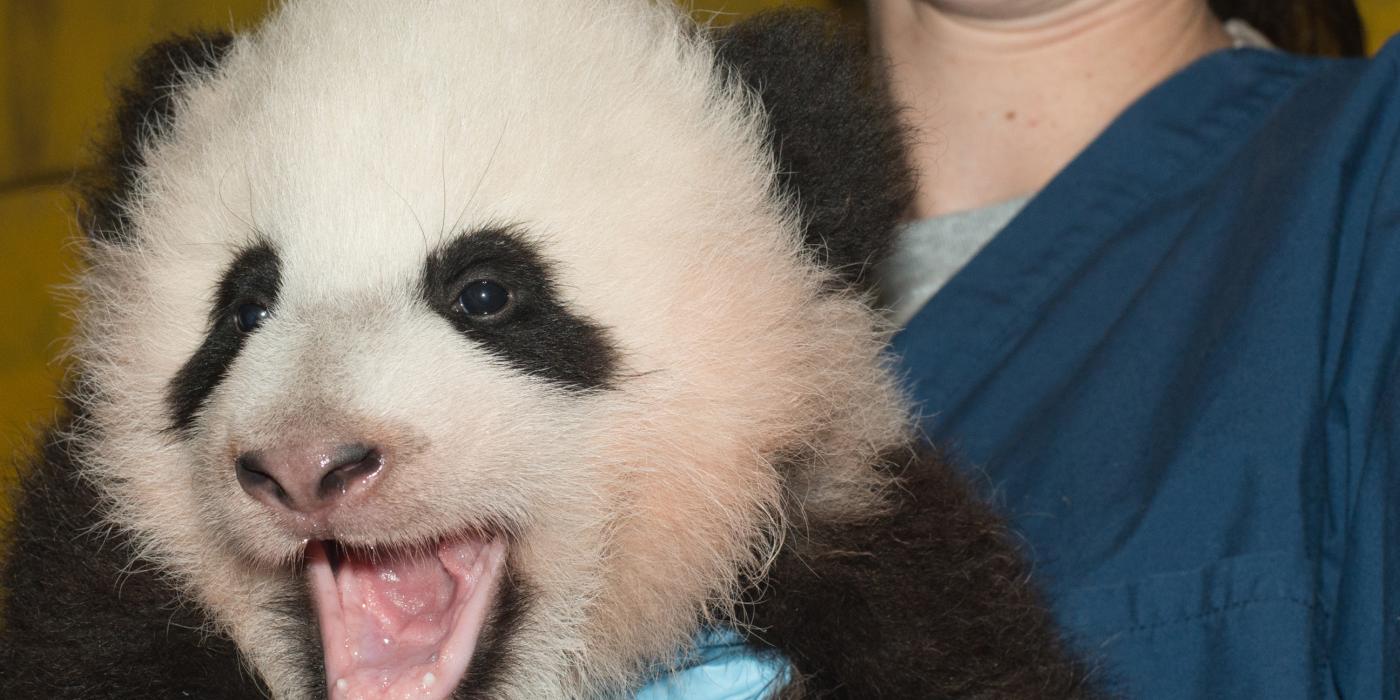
630,509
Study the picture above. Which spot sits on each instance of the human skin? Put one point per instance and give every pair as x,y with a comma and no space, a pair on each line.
1002,94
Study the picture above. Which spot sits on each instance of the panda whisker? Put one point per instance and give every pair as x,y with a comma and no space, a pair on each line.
422,232
480,179
223,200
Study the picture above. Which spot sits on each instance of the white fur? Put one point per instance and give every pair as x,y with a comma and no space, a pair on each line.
356,135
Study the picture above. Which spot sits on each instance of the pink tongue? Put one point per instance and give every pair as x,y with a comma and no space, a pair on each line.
396,611
402,625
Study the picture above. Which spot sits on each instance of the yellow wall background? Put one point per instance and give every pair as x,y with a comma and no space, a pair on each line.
59,60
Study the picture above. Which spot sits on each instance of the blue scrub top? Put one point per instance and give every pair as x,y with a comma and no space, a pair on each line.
1178,373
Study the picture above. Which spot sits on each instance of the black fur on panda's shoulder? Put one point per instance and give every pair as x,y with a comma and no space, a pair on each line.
931,600
833,128
145,109
84,617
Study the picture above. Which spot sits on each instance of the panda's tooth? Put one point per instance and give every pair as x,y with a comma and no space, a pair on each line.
342,685
429,679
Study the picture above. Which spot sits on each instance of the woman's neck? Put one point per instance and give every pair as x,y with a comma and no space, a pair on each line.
1001,101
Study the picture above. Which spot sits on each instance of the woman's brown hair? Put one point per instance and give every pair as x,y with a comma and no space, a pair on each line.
1321,27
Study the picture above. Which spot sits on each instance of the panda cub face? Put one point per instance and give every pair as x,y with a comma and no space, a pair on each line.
480,327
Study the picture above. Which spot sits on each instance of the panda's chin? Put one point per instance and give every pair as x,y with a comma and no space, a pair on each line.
402,623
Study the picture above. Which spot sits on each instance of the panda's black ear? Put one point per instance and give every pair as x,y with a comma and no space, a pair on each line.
833,128
145,108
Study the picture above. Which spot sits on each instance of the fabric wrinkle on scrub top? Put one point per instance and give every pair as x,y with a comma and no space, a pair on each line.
1177,371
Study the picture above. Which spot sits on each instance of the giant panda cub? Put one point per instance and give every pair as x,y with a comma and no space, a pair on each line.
500,349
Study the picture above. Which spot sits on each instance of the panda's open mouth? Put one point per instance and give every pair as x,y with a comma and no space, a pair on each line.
402,623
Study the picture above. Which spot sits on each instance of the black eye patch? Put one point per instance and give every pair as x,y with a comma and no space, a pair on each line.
246,294
495,288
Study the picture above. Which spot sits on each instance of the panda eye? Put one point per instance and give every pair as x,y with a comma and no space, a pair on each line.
247,317
483,297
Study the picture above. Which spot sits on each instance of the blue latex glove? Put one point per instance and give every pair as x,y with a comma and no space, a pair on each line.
722,668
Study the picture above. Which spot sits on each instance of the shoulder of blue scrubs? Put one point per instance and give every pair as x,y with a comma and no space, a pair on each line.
1178,372
721,668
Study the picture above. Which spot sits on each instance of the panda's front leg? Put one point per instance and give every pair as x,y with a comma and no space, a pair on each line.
84,615
929,601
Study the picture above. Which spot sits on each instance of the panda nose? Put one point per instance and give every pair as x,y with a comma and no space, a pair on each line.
308,478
